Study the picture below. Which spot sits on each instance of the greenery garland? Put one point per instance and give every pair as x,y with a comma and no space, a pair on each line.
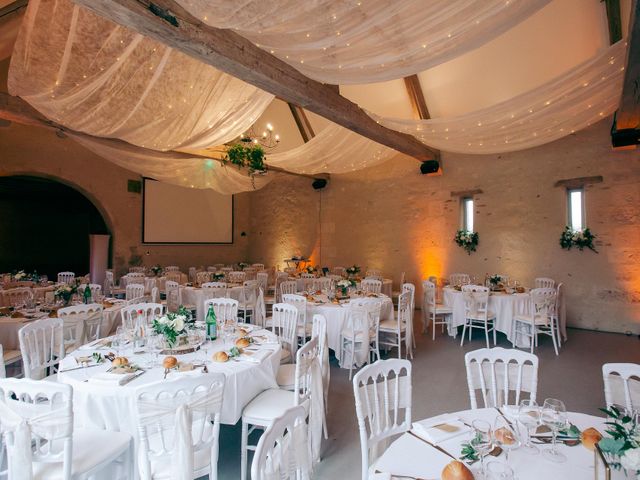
467,240
580,239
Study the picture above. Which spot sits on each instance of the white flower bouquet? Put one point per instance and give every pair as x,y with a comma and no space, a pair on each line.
622,447
171,326
580,239
467,240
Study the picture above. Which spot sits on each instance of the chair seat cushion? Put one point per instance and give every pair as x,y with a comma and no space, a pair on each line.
527,319
490,316
268,405
390,325
90,448
286,376
443,309
11,356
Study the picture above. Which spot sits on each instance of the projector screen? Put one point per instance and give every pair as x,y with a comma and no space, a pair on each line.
173,214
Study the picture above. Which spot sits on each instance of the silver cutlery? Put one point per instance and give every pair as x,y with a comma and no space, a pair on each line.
131,379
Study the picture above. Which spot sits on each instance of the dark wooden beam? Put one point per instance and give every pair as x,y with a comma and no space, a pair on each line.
15,109
13,7
302,122
416,96
579,182
614,20
628,115
233,54
467,193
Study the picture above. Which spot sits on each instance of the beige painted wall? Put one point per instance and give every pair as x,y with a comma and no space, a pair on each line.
393,218
30,150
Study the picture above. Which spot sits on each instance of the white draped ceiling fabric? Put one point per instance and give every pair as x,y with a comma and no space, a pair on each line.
356,41
95,77
560,107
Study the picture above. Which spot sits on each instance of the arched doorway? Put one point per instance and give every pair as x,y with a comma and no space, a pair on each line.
45,226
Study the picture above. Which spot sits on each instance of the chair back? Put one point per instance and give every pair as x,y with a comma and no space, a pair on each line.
137,269
307,275
174,298
285,326
544,282
501,375
288,287
250,273
140,314
108,282
66,277
258,266
135,277
411,288
319,332
322,284
184,417
81,324
135,290
429,296
300,303
96,291
371,285
226,309
17,297
260,312
476,301
236,277
543,305
622,385
42,347
173,276
305,357
202,277
263,280
283,450
339,271
214,290
211,269
383,405
172,268
459,279
37,421
374,273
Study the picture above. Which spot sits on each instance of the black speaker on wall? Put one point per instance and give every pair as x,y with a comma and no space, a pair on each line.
319,183
430,166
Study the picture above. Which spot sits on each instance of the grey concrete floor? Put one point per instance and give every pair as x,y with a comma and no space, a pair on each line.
439,385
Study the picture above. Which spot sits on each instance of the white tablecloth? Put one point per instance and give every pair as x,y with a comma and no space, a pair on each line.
503,305
196,296
412,457
151,282
38,292
112,407
387,285
336,316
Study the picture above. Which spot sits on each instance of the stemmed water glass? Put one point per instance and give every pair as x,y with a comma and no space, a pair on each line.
499,471
481,440
505,436
529,417
119,340
554,416
156,345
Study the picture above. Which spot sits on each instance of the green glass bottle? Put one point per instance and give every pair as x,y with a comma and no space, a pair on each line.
86,295
212,325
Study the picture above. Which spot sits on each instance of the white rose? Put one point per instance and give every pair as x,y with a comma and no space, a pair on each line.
631,459
179,323
163,320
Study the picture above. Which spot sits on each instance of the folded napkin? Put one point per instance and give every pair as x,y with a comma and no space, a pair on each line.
440,429
68,363
254,356
107,378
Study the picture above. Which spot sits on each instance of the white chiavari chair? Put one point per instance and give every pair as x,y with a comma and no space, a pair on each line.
263,280
135,278
250,273
236,277
81,324
477,313
411,288
270,404
202,277
94,288
285,327
56,450
622,385
173,276
371,285
226,310
300,302
541,318
322,284
359,337
179,427
17,297
339,271
137,270
288,288
382,394
172,268
41,347
544,282
258,266
173,295
286,433
248,299
214,290
135,290
500,376
66,277
433,312
459,279
394,331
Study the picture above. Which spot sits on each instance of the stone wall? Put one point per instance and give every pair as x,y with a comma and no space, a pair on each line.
395,219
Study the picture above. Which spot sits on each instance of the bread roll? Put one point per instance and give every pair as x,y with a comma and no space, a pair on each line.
456,470
169,362
120,361
242,342
590,437
221,356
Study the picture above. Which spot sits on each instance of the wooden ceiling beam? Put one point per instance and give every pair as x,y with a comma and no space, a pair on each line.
302,122
167,22
416,96
17,110
628,114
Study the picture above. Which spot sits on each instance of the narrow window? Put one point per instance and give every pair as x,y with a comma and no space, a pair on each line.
576,214
467,214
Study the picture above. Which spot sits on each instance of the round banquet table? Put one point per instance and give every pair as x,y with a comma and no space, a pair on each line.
336,315
387,285
111,406
412,457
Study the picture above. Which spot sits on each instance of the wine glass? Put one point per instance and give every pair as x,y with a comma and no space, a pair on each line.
529,417
554,416
505,436
481,440
119,340
156,345
499,471
193,338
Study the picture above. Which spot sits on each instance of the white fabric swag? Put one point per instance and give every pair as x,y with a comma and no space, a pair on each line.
176,168
96,77
353,42
23,420
582,96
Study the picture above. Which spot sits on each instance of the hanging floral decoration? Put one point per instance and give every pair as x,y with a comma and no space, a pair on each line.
467,240
580,239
